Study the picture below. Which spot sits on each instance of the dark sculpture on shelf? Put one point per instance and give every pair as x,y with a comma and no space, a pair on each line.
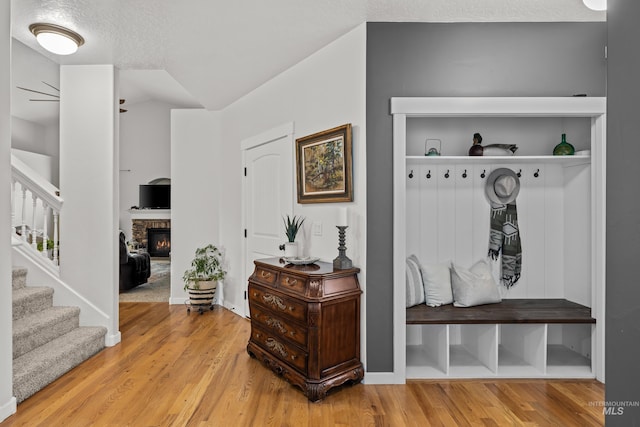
476,149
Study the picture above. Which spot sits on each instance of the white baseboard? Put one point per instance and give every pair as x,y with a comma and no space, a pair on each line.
7,409
176,301
113,339
382,378
233,308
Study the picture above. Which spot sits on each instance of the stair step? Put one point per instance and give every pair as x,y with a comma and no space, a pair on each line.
31,299
43,365
18,277
39,328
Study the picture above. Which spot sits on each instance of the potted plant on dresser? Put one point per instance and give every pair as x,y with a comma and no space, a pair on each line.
291,228
201,279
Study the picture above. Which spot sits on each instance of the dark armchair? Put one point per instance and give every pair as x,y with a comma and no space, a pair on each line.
135,269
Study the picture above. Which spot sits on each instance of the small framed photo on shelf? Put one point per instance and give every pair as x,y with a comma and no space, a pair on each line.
324,166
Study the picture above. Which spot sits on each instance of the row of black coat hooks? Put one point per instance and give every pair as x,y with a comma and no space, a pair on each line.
536,174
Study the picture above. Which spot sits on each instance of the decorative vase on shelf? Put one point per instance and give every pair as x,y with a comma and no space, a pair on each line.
564,148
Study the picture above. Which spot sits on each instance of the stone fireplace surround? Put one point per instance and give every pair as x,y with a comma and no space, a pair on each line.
141,219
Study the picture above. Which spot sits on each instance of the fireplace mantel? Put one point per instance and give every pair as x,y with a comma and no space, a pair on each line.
150,213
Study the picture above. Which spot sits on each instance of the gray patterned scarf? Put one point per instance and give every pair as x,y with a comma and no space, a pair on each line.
504,237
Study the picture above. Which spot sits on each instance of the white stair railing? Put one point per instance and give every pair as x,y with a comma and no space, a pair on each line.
35,212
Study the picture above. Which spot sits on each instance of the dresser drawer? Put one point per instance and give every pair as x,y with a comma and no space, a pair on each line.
293,283
282,327
278,303
280,349
264,276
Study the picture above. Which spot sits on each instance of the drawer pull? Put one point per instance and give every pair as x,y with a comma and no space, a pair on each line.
290,282
276,324
274,301
265,274
276,346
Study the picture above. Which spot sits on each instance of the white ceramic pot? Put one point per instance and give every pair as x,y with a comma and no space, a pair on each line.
291,249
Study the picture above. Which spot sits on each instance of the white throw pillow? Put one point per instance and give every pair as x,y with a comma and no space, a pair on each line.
414,288
437,284
475,286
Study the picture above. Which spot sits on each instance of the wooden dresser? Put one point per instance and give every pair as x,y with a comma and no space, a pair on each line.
305,324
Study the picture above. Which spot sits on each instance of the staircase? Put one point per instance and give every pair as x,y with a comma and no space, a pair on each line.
47,340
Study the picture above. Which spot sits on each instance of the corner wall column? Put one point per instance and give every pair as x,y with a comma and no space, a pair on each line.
89,186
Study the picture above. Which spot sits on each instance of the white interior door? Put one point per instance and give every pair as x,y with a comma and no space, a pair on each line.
268,195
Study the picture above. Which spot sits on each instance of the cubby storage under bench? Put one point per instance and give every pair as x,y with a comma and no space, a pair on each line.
517,338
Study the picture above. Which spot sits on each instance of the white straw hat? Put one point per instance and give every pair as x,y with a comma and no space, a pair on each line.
502,187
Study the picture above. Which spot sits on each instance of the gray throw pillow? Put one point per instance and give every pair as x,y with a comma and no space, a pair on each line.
414,287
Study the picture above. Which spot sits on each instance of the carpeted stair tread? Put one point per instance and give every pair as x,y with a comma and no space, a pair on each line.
41,366
18,277
31,299
39,328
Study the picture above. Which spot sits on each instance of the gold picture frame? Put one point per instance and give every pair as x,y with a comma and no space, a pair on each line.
324,166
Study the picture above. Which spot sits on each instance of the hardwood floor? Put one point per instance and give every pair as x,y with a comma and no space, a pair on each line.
179,369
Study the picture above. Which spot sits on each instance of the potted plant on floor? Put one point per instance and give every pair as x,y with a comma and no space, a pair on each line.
291,228
201,279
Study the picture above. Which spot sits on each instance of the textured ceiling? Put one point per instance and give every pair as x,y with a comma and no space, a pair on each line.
217,50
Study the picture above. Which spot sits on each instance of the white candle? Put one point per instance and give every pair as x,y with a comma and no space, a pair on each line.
342,217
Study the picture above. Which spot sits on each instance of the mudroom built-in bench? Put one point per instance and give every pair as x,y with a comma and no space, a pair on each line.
550,324
514,338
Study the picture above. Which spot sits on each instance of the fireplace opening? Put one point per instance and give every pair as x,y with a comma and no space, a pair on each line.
159,242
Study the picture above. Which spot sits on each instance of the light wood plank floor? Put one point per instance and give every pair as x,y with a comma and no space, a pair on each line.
175,369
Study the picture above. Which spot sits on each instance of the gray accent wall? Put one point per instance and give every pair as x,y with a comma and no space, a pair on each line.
622,355
456,59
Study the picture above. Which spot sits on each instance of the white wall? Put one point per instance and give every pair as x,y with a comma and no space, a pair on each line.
145,152
34,125
323,91
7,401
196,178
89,186
39,139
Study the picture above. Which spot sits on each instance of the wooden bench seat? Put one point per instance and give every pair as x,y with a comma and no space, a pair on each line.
507,311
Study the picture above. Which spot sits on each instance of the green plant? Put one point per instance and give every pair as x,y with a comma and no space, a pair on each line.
40,246
292,226
206,265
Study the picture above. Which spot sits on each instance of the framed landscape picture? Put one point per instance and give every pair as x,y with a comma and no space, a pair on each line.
324,166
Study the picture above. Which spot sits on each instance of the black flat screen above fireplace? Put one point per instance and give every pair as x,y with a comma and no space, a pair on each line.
156,196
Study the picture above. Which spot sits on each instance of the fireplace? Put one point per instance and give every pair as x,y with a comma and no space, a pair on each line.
159,242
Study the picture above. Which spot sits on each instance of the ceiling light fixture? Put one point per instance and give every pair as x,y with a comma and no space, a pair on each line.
596,4
56,39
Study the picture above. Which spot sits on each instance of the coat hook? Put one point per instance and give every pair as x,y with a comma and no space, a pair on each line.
519,173
411,174
536,173
484,173
464,174
429,174
446,175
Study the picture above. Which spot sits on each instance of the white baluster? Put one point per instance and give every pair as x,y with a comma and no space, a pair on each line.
45,234
34,244
24,209
55,237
